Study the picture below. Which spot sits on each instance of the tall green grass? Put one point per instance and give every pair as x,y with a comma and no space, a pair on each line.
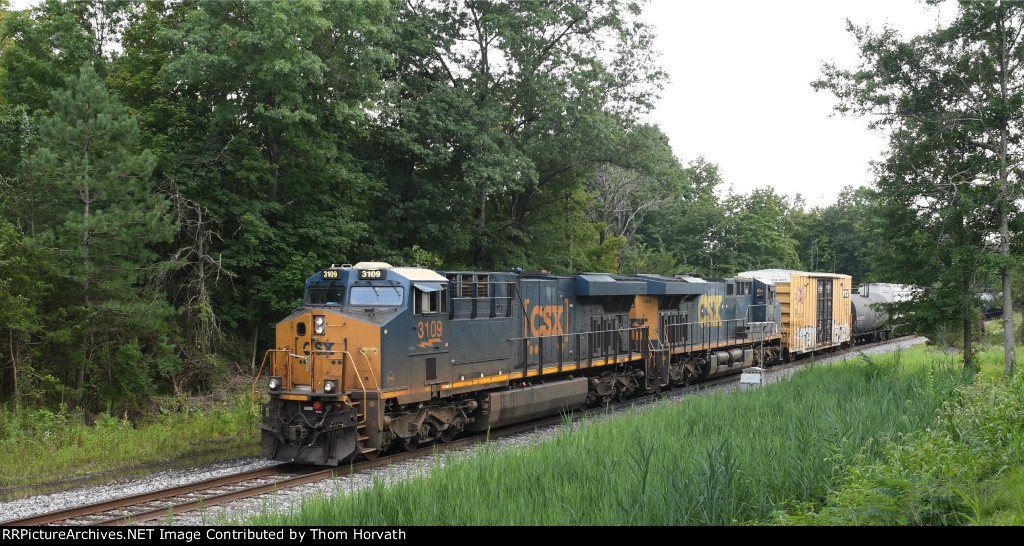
966,468
39,446
716,459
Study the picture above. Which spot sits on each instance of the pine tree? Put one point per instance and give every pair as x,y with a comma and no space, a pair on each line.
106,219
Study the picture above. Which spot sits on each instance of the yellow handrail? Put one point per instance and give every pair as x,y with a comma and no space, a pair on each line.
252,399
344,354
358,378
380,406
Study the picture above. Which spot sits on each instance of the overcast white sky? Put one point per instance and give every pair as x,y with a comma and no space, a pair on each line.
740,91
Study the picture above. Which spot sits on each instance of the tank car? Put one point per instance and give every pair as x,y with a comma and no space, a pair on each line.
870,320
380,357
991,305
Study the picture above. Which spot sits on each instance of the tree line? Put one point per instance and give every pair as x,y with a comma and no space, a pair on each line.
172,171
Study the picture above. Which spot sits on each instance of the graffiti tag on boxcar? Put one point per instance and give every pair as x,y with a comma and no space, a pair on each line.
805,337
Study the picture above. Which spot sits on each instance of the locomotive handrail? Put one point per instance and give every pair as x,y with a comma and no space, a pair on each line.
709,336
754,306
252,398
369,368
490,295
623,334
766,318
355,369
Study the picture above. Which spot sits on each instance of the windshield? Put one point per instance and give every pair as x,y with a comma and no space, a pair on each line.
380,296
326,294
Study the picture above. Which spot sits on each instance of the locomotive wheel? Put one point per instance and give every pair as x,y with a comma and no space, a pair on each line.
448,434
410,444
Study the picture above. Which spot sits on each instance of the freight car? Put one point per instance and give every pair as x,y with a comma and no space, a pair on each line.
381,357
991,306
871,322
815,309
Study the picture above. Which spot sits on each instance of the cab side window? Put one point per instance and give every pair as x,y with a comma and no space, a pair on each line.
430,301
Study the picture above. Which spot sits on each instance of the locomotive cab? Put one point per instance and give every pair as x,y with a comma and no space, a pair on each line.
328,374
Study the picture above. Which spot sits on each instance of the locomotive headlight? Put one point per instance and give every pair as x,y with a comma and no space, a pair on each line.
330,385
318,325
274,383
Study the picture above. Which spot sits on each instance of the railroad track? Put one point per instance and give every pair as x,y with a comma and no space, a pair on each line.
164,504
155,505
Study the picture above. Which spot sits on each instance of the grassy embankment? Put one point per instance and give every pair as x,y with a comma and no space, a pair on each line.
894,439
897,439
39,446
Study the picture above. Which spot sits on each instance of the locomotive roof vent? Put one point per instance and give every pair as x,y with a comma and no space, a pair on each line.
373,265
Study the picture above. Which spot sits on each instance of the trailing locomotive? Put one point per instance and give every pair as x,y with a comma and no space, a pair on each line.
381,357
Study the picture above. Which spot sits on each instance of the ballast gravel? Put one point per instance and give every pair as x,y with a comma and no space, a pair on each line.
289,499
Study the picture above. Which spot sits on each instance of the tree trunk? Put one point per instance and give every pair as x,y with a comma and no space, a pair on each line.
86,201
968,357
481,224
1004,249
14,365
1004,205
967,344
255,344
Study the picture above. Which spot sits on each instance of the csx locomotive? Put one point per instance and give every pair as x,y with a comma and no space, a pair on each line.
381,357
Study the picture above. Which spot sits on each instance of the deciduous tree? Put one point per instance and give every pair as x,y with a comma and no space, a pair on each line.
955,95
273,99
503,108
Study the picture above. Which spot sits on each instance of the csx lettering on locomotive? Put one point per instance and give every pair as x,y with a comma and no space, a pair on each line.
710,306
546,320
321,347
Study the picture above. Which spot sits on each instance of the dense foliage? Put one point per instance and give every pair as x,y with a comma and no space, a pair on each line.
172,171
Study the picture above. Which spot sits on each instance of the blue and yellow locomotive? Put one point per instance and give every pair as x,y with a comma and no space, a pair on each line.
379,357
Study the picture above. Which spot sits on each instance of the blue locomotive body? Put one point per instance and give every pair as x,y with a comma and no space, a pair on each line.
381,356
